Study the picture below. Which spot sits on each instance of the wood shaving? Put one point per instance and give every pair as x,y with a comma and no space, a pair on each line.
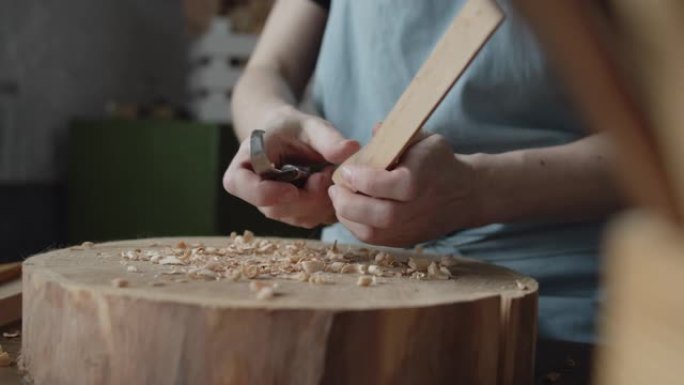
248,236
250,271
302,276
419,264
119,282
336,267
311,267
319,279
265,293
521,285
5,359
171,260
247,257
434,272
375,270
13,334
365,281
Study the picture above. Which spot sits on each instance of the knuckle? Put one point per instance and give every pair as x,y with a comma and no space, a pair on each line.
387,216
367,234
270,213
407,183
229,182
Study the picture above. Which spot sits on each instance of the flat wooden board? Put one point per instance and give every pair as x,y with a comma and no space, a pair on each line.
85,269
467,34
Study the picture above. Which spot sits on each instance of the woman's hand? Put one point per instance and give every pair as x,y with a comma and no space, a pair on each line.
430,193
297,138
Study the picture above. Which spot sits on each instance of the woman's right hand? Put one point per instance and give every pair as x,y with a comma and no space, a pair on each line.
296,138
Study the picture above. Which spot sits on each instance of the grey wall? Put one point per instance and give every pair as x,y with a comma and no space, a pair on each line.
65,59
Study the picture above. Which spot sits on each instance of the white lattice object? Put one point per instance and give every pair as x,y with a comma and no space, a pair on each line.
217,58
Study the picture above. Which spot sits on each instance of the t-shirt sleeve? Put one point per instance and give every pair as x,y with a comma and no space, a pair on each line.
323,3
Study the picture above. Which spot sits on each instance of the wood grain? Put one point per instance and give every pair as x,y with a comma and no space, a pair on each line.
467,34
476,329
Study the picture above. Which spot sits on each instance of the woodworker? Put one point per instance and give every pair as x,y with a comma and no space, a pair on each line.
507,175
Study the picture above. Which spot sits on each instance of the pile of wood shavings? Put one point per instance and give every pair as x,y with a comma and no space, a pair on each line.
248,258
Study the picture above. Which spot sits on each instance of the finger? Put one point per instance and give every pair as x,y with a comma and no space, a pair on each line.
400,184
362,209
325,139
362,232
319,182
248,186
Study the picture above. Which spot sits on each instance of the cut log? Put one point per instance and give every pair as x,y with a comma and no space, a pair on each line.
477,328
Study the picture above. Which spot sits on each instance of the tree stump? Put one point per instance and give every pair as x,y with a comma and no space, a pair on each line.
477,328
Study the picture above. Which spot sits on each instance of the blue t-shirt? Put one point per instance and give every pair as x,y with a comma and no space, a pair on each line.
508,99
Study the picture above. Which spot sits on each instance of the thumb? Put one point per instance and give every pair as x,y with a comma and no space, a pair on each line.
327,141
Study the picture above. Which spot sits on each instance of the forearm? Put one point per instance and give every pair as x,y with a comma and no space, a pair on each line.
281,65
570,182
260,90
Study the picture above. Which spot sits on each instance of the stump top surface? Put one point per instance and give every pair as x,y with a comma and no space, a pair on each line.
92,269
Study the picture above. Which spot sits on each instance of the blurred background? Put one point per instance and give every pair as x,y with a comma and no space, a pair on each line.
115,121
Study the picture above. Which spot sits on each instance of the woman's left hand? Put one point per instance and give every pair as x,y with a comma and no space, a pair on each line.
430,193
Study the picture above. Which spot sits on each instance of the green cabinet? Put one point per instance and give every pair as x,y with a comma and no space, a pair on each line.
131,179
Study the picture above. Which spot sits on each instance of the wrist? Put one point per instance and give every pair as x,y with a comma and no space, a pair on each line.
493,198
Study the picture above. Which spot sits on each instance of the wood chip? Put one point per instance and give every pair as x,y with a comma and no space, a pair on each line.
434,272
365,281
419,264
319,279
250,271
132,269
170,260
248,236
119,282
375,270
265,293
311,267
13,334
256,285
521,285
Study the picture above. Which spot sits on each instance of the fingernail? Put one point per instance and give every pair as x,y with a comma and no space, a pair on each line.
332,191
346,174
